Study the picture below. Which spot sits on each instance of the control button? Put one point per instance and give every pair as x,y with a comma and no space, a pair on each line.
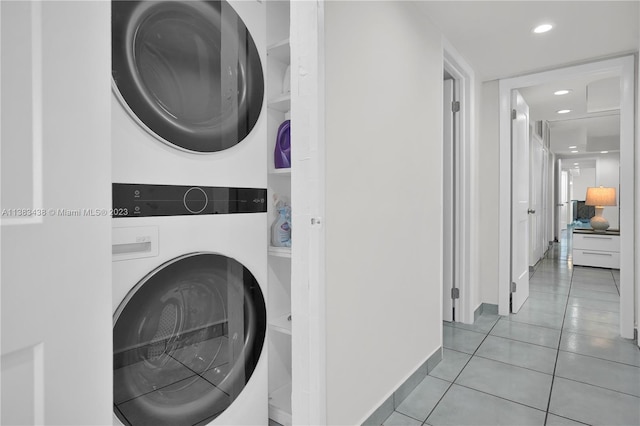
195,200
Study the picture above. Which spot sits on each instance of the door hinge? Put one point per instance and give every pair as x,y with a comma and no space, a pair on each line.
455,293
513,287
455,106
514,114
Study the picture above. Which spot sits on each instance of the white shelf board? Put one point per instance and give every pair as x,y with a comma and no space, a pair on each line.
280,51
280,251
281,324
281,102
280,172
280,405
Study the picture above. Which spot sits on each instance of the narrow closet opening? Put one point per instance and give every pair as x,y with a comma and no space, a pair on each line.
451,191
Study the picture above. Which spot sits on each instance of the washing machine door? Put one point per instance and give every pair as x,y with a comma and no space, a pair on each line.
187,339
188,72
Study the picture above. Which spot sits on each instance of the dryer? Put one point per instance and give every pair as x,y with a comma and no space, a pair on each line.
188,92
189,305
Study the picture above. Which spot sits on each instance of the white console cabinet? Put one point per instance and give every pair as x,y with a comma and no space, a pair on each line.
599,249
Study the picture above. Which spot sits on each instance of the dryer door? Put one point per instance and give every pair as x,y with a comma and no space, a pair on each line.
187,71
186,340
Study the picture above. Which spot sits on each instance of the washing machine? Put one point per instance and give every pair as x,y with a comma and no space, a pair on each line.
189,212
190,328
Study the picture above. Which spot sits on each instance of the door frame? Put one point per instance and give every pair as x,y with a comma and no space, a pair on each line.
624,67
540,214
466,227
451,214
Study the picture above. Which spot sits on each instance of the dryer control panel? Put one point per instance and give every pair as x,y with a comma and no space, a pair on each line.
142,200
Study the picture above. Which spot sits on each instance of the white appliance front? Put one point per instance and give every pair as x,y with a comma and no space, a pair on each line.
188,92
190,320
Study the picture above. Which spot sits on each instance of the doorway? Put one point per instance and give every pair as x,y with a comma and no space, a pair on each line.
458,203
451,192
624,69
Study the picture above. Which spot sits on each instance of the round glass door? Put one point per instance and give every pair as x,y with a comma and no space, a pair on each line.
188,72
186,341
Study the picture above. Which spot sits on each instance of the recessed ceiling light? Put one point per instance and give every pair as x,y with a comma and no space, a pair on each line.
542,28
604,152
562,92
575,164
563,111
573,152
572,146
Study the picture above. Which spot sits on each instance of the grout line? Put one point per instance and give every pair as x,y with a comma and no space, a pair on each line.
466,329
584,333
602,359
514,365
600,387
591,298
395,410
501,397
528,343
461,370
555,366
573,420
615,283
537,325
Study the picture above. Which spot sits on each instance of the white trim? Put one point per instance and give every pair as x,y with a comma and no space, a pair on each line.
308,290
637,205
623,67
455,64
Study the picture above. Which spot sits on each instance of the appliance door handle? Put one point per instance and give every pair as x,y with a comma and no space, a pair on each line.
531,211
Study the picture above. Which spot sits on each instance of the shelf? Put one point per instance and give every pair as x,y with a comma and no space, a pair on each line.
280,251
280,405
281,324
280,172
280,51
280,103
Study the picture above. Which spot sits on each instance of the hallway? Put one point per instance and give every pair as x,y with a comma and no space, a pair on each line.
559,361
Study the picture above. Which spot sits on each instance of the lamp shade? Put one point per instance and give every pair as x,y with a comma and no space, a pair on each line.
601,196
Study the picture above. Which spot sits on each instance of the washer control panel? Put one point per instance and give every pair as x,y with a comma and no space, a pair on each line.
142,200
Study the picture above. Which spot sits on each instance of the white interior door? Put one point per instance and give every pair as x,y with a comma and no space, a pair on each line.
520,201
448,303
536,162
563,205
550,198
56,357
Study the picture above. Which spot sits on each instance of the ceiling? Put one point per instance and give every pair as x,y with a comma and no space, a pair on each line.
582,100
592,125
495,37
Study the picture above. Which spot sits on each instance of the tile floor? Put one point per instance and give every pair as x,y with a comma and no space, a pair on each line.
559,361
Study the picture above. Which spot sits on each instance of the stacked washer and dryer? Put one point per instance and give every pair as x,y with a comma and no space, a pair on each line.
189,213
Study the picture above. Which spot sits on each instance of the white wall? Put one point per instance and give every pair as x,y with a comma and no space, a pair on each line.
383,209
579,184
608,175
488,192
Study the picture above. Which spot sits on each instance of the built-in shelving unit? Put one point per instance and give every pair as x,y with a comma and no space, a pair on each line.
278,184
280,251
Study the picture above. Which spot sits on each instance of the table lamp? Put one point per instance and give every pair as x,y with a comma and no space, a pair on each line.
600,197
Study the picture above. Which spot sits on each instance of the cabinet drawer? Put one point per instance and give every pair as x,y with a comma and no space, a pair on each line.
600,259
596,242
